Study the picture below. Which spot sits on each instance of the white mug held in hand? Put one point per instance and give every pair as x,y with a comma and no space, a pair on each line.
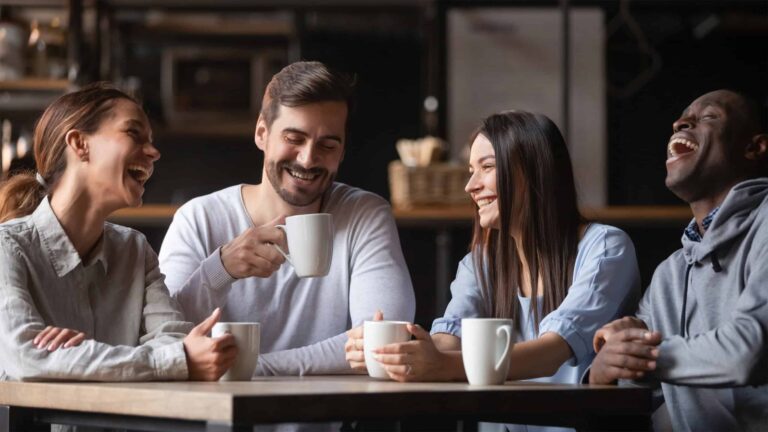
376,334
247,338
310,242
486,344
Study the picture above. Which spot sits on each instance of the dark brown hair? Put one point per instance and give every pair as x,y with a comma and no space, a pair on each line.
82,110
303,83
535,194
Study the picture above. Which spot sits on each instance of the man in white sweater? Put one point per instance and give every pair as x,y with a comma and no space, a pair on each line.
220,248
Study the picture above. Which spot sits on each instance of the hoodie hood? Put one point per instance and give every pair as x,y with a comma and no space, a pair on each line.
735,216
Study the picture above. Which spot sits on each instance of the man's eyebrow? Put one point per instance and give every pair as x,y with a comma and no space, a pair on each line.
294,130
323,137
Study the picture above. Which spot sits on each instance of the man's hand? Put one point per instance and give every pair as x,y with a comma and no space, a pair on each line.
613,327
208,358
53,338
354,345
253,253
626,354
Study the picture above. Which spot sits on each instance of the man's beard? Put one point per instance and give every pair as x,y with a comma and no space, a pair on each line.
301,198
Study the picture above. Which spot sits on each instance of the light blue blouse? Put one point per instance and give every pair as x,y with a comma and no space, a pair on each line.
606,285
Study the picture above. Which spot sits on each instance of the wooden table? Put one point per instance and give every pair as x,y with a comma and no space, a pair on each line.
169,406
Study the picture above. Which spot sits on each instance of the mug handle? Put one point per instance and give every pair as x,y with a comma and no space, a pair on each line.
279,249
507,330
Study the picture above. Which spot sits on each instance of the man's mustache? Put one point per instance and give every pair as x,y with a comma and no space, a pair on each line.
301,170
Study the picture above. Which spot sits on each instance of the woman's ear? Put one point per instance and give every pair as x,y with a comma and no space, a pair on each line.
76,141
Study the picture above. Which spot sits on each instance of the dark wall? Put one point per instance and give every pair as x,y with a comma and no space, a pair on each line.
701,47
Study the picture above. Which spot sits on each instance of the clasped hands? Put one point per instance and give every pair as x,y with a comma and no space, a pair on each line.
625,349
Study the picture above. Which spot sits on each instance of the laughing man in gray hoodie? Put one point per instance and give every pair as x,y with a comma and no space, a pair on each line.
701,329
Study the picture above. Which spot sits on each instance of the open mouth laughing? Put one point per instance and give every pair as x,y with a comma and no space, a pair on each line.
139,173
679,146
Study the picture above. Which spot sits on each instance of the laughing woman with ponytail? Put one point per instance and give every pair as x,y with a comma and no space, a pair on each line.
81,298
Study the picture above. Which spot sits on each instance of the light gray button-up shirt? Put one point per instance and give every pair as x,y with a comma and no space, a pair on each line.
118,298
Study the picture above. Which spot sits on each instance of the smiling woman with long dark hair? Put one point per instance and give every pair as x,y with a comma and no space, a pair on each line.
533,259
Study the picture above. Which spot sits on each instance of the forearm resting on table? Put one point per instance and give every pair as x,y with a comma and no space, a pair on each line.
537,358
530,359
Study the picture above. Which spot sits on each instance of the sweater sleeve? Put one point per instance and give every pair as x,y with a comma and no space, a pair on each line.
162,321
732,354
20,322
195,277
379,279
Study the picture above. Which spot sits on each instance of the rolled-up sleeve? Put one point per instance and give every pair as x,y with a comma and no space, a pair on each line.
467,300
606,285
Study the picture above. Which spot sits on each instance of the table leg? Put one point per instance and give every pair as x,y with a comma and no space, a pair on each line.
443,246
617,423
5,418
226,427
17,420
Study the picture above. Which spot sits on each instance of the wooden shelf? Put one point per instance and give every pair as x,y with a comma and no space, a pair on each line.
162,214
619,215
146,215
35,84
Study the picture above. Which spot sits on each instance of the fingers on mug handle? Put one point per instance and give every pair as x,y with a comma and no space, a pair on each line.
279,249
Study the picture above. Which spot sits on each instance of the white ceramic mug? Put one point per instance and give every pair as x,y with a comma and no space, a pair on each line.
486,344
310,243
376,334
247,337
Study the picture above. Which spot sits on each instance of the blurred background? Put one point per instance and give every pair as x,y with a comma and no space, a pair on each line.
613,75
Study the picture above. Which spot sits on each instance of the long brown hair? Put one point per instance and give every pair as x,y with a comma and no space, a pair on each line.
83,110
535,193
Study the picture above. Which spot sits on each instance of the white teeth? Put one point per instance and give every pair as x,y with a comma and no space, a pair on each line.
302,176
484,201
690,144
139,172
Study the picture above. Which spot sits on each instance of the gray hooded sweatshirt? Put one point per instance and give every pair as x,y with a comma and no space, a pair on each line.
709,300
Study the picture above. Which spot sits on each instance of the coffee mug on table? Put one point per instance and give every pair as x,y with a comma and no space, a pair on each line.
310,243
486,344
247,338
376,334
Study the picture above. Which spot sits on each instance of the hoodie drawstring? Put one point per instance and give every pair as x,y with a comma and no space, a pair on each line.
685,300
715,263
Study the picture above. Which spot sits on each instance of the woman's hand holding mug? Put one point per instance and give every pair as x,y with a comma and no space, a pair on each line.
354,346
209,358
415,360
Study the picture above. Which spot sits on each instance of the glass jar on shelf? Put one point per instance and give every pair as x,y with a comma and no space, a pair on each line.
13,34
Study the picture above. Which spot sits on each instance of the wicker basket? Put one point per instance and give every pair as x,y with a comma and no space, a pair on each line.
440,183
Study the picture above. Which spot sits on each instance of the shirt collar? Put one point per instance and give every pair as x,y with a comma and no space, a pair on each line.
61,252
692,230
